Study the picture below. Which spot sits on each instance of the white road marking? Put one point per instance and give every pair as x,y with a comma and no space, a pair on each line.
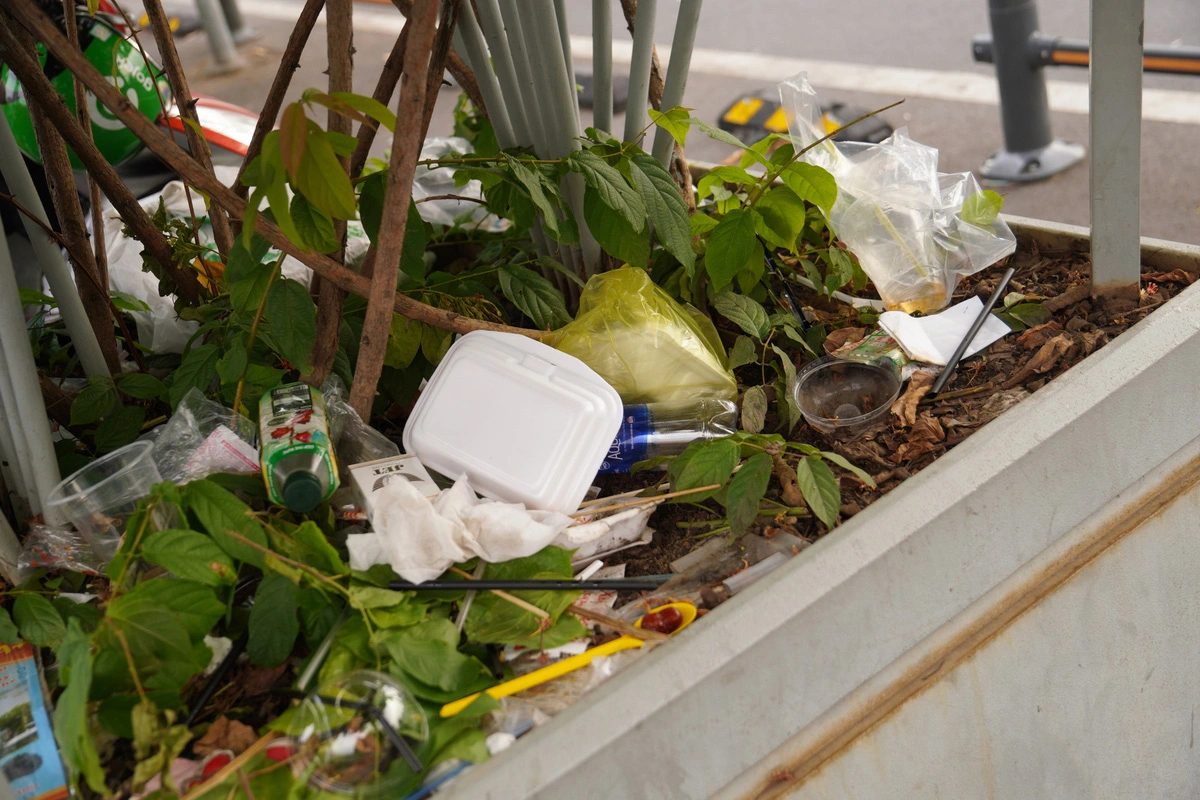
1159,105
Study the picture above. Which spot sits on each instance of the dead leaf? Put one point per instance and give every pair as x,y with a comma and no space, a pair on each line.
1174,276
1037,336
1092,341
911,450
929,428
1043,360
1000,402
905,406
843,336
225,734
1068,298
260,680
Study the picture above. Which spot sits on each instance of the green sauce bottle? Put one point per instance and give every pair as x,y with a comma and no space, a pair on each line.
296,453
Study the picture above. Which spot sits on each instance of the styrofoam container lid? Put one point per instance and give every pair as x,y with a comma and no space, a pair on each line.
524,422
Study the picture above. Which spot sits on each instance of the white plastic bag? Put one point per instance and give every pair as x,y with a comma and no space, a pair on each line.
900,216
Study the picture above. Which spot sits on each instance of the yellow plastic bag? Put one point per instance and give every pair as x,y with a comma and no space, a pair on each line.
648,347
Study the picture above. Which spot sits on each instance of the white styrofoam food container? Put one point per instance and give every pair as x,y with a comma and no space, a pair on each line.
524,422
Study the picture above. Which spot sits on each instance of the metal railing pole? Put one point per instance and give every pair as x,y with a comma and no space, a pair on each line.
220,38
1115,125
1030,150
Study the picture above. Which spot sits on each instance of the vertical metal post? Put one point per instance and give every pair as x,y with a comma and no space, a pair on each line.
220,39
677,72
1030,150
1115,126
602,82
639,69
238,28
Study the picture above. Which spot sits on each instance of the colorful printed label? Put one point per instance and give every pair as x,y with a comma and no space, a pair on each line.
631,443
292,420
28,754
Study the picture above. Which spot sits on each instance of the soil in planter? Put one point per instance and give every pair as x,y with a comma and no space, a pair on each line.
982,389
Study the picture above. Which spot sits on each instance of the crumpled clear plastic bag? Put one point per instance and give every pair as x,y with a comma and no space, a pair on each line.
898,214
645,345
438,181
203,437
55,548
354,441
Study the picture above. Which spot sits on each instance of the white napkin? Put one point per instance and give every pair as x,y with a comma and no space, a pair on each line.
933,339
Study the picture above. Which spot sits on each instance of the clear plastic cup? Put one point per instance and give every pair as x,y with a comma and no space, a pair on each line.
99,498
845,399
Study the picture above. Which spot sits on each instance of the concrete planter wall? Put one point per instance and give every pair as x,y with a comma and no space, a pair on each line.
983,630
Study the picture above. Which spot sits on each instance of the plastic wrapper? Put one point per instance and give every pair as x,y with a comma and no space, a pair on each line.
354,441
563,692
56,549
645,345
900,216
439,182
203,437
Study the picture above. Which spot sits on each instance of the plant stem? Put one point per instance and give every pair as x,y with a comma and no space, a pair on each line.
133,673
316,573
406,146
288,63
251,336
639,501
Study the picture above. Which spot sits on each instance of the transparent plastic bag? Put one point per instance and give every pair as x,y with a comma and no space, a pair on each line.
645,345
898,214
438,181
354,441
203,437
55,549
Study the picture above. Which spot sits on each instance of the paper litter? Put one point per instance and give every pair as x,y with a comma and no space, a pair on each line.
933,339
422,538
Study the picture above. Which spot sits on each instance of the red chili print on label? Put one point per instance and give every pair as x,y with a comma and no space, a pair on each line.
279,433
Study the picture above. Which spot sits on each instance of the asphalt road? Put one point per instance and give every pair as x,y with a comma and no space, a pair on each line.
834,40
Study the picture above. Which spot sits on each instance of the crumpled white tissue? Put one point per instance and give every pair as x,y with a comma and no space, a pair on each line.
421,538
933,339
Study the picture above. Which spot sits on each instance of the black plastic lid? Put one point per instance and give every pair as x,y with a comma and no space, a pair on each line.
302,492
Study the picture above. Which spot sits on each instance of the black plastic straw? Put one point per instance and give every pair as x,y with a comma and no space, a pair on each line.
785,290
940,383
612,584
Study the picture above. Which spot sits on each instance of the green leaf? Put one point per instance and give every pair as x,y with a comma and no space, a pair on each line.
710,464
745,312
370,204
667,211
730,246
221,513
127,302
315,226
403,343
558,266
246,276
674,121
858,472
537,298
1031,314
190,555
293,317
493,619
96,400
742,353
273,624
434,343
75,741
537,193
322,179
141,385
782,216
811,183
717,134
982,208
320,553
8,631
369,106
231,365
716,177
610,187
193,606
429,653
615,235
365,596
38,621
820,489
746,490
195,372
119,428
754,409
412,250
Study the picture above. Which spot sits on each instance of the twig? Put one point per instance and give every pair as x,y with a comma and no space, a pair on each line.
233,766
956,394
389,76
640,501
316,573
406,146
456,65
503,595
133,673
437,60
645,634
288,63
35,83
632,492
451,197
339,31
166,149
186,105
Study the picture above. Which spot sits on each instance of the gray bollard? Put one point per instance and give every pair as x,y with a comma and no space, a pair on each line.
1031,153
238,28
220,39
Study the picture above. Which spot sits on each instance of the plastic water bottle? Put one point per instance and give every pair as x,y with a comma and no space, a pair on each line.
665,429
297,456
